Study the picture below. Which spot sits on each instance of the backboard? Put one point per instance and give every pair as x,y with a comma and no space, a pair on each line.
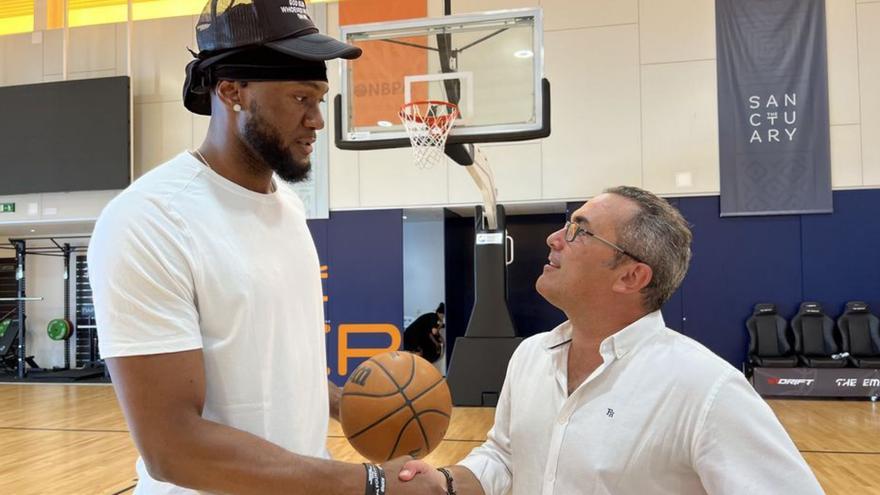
489,64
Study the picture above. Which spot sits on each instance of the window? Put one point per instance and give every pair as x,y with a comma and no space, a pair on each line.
16,16
91,12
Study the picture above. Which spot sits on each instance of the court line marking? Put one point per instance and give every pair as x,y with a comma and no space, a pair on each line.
130,488
851,452
444,440
75,430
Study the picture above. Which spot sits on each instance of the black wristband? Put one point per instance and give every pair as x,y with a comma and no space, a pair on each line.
375,484
450,489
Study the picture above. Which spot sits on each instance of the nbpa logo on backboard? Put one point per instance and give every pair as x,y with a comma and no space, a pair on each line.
297,7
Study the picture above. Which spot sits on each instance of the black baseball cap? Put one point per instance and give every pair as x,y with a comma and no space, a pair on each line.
283,25
243,31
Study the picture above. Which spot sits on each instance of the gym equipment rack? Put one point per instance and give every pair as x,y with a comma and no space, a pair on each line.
55,246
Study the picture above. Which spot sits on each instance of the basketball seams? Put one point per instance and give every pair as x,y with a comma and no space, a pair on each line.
428,420
421,427
392,413
383,418
408,403
364,394
418,418
404,427
428,389
433,411
399,391
412,372
391,377
399,436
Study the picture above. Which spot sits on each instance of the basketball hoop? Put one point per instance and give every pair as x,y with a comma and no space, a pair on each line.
427,124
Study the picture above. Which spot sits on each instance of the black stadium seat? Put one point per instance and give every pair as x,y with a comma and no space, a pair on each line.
769,342
816,338
861,330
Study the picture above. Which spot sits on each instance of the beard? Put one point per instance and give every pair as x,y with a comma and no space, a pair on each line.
269,148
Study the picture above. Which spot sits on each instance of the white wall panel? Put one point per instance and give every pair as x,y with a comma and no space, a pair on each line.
680,127
846,156
843,61
92,48
389,178
596,139
162,130
22,60
27,207
517,169
159,58
75,205
565,14
464,6
676,30
869,69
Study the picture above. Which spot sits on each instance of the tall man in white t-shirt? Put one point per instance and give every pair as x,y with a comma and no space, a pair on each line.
613,402
207,283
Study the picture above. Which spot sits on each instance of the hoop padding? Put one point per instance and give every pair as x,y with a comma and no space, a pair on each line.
427,124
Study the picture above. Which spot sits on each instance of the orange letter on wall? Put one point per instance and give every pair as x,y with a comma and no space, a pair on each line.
345,353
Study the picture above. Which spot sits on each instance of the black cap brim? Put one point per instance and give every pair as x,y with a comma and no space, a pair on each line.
316,46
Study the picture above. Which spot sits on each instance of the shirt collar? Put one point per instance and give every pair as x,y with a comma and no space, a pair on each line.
558,336
622,342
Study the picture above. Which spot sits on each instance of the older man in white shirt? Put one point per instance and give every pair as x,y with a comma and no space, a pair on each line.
612,401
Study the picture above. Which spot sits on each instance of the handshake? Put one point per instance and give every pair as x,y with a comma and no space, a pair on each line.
407,475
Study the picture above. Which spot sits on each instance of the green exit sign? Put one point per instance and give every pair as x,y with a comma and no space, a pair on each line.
7,207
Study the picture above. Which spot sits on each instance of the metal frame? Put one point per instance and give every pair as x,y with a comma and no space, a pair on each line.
381,144
57,250
481,134
466,108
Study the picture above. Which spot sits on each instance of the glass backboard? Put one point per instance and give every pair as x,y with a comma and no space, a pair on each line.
489,64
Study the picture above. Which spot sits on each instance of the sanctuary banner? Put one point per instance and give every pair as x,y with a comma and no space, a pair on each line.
773,107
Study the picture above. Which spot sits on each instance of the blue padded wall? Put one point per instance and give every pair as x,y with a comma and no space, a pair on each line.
841,252
363,252
737,262
674,307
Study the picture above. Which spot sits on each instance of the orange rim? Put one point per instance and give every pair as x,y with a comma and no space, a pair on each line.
438,121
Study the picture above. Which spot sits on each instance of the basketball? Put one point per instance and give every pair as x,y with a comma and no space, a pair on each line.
395,404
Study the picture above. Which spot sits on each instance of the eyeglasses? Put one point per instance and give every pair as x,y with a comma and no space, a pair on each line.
573,230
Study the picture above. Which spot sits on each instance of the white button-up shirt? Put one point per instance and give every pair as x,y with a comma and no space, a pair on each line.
661,415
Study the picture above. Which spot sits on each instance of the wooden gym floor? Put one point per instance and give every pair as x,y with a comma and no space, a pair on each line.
72,439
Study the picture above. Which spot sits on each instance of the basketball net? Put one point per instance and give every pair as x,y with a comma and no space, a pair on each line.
427,124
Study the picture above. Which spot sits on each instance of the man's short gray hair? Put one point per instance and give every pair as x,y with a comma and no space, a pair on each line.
660,236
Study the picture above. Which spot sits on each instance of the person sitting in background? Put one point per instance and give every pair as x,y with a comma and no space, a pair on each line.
423,338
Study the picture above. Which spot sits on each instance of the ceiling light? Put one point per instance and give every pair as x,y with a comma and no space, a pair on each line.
523,54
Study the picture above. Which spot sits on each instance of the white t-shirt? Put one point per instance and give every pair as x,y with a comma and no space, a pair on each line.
662,415
185,259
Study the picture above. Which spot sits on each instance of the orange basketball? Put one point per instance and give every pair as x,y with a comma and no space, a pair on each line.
395,404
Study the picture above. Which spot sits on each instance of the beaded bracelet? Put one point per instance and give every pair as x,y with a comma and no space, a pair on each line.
450,489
